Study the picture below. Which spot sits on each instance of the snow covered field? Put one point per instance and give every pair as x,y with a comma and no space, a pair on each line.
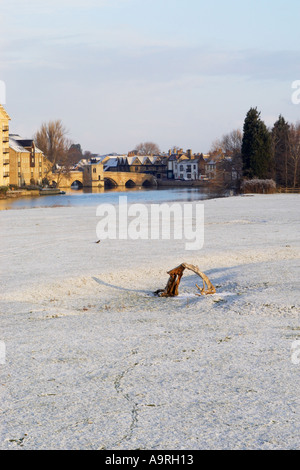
95,361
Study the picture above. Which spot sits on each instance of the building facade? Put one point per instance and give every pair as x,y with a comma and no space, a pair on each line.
4,147
28,165
185,166
151,165
211,169
186,170
93,175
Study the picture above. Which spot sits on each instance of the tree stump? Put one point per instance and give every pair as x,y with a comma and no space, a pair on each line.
175,275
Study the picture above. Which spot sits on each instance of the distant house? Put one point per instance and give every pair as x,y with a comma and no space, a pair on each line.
115,163
172,161
170,166
28,165
153,165
186,170
81,164
187,167
211,169
227,172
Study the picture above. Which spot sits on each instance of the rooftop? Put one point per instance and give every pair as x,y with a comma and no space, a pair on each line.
18,143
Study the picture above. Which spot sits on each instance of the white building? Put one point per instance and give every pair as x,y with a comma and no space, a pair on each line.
185,169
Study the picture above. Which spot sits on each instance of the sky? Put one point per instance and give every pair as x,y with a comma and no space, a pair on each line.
121,72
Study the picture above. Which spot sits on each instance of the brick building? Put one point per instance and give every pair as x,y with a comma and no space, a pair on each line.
4,147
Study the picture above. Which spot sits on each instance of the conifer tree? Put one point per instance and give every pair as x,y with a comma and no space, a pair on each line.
280,139
256,147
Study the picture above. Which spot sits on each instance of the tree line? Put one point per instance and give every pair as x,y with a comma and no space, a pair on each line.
259,152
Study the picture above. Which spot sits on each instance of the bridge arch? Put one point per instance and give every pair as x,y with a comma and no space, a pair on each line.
147,183
130,184
76,184
109,183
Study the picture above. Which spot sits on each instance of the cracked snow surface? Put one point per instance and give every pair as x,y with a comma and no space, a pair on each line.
95,361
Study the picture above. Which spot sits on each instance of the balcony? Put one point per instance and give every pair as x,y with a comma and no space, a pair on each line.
5,151
5,128
6,161
6,174
5,139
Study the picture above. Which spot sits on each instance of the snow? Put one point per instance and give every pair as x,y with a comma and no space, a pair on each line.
95,361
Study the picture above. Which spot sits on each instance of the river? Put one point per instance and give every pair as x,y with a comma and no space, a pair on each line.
93,198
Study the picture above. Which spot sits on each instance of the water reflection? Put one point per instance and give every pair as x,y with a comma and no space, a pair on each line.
95,196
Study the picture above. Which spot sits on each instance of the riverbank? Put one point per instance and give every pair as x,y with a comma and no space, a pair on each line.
182,183
95,361
164,184
20,193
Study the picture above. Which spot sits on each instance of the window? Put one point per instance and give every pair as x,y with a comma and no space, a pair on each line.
181,168
94,170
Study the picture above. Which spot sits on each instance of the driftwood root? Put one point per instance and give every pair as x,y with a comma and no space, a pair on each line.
175,275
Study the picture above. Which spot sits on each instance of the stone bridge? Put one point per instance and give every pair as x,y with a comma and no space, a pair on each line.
109,179
67,181
128,179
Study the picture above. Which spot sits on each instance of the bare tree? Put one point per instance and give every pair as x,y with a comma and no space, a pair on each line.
232,142
229,145
175,149
147,148
87,154
294,150
216,148
51,139
74,153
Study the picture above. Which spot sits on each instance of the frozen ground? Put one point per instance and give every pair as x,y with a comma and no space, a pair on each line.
94,361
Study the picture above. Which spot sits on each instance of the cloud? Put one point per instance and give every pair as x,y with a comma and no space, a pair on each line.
166,64
96,59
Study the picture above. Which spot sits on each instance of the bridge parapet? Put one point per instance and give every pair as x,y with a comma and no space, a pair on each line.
104,178
129,179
